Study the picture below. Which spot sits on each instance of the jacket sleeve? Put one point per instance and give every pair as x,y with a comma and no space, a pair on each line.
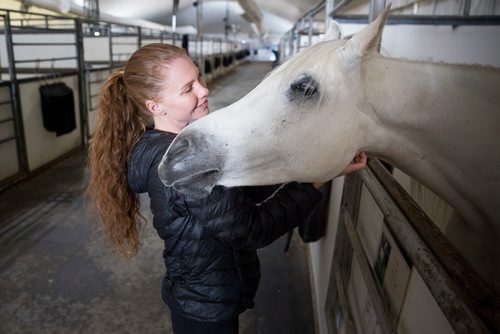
234,218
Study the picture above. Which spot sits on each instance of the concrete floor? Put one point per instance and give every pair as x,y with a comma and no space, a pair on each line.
58,276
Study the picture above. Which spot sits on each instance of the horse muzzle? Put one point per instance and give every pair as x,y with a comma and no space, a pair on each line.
190,166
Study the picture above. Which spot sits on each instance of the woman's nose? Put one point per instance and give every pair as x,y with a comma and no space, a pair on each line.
202,91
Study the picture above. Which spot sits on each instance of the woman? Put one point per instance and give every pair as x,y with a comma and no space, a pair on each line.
210,243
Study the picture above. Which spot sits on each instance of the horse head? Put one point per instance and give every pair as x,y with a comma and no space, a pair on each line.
271,136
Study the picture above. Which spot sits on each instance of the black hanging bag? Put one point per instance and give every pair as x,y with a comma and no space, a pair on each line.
58,108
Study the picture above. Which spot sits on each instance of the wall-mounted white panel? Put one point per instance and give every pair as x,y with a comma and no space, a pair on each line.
6,130
370,223
437,209
420,312
8,161
460,45
41,52
44,146
96,49
123,47
363,313
393,271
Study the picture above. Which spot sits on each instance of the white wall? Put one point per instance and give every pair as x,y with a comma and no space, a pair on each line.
463,44
321,254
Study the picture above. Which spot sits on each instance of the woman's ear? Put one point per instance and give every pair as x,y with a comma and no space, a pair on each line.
154,108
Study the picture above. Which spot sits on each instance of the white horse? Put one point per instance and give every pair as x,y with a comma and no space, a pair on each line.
439,123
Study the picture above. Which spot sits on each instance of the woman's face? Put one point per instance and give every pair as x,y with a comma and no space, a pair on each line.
185,95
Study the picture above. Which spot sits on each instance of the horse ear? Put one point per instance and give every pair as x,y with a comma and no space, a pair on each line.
333,33
367,40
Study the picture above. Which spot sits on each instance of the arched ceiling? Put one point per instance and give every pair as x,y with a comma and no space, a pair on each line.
278,16
275,17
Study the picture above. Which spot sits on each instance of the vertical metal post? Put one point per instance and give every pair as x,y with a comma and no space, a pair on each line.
110,41
329,5
22,154
310,32
467,7
226,22
139,37
82,88
296,39
376,7
199,27
299,33
174,20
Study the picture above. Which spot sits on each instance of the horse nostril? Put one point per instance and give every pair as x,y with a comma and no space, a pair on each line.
178,147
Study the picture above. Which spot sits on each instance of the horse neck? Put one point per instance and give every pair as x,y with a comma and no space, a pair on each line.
407,99
406,93
436,122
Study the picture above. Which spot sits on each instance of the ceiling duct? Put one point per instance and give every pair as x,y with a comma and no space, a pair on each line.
253,15
69,7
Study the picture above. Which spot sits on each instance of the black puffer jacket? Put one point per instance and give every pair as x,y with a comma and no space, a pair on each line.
210,244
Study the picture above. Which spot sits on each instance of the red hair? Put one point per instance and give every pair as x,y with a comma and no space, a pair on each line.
122,119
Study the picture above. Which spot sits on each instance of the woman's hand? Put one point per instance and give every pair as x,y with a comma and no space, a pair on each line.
359,162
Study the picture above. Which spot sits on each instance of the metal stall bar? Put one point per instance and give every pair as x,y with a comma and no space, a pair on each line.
84,126
445,291
343,302
424,19
139,37
310,30
22,154
44,59
37,29
41,43
110,43
35,17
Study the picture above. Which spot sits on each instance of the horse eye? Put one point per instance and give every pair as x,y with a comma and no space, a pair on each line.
303,88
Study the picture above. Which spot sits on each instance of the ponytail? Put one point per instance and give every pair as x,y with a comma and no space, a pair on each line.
122,119
120,125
